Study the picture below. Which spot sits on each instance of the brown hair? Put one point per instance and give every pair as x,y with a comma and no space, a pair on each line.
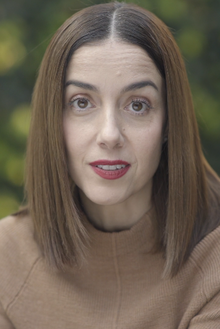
185,191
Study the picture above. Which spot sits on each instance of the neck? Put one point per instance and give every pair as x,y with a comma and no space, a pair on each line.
117,217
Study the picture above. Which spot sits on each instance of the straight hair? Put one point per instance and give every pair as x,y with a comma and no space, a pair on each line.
186,191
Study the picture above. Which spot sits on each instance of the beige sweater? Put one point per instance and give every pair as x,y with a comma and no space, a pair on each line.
120,285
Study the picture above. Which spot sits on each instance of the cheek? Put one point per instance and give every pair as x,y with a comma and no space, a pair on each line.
74,137
70,143
78,139
73,147
149,145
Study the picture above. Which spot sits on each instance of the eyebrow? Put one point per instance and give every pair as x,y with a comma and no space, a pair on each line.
139,85
81,85
133,86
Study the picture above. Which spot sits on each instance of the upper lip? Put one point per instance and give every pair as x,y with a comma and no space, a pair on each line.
109,163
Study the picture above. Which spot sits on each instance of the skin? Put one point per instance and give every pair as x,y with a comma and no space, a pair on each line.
113,123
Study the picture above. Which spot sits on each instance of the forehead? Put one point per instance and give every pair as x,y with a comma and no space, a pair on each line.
112,57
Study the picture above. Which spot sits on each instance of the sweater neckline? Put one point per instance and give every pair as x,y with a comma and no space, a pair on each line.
139,237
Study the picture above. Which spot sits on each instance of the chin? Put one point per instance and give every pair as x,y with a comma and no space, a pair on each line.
105,199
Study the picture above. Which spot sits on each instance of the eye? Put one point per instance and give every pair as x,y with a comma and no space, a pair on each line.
139,106
80,103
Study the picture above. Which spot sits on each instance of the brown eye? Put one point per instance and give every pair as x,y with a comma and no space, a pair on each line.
82,103
137,106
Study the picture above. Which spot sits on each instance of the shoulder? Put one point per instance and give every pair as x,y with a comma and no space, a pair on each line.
18,254
207,251
206,256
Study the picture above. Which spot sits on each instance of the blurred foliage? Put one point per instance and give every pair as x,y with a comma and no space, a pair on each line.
25,30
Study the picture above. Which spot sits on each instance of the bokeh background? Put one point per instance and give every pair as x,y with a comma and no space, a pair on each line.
26,27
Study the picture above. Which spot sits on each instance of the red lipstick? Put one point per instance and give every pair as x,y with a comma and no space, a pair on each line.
109,169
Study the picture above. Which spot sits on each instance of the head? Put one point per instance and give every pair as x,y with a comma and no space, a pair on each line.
180,167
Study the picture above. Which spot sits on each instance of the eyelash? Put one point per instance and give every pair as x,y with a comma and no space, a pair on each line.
142,101
137,100
77,99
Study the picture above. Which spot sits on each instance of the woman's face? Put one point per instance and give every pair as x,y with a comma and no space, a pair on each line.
113,121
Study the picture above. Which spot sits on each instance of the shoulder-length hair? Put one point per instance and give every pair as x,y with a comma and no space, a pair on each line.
185,188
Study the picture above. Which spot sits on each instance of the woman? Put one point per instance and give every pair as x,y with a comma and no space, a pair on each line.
122,224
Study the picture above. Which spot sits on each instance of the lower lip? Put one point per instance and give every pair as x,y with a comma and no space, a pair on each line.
110,174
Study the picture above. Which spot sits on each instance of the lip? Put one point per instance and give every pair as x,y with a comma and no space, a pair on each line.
109,163
110,174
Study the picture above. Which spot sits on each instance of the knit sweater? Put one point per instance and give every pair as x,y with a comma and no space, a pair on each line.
120,284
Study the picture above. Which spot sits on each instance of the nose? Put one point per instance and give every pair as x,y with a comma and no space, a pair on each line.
110,134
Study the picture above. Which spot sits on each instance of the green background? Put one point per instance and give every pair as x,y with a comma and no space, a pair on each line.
26,28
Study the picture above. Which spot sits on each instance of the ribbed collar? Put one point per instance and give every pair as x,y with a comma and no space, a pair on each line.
138,238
